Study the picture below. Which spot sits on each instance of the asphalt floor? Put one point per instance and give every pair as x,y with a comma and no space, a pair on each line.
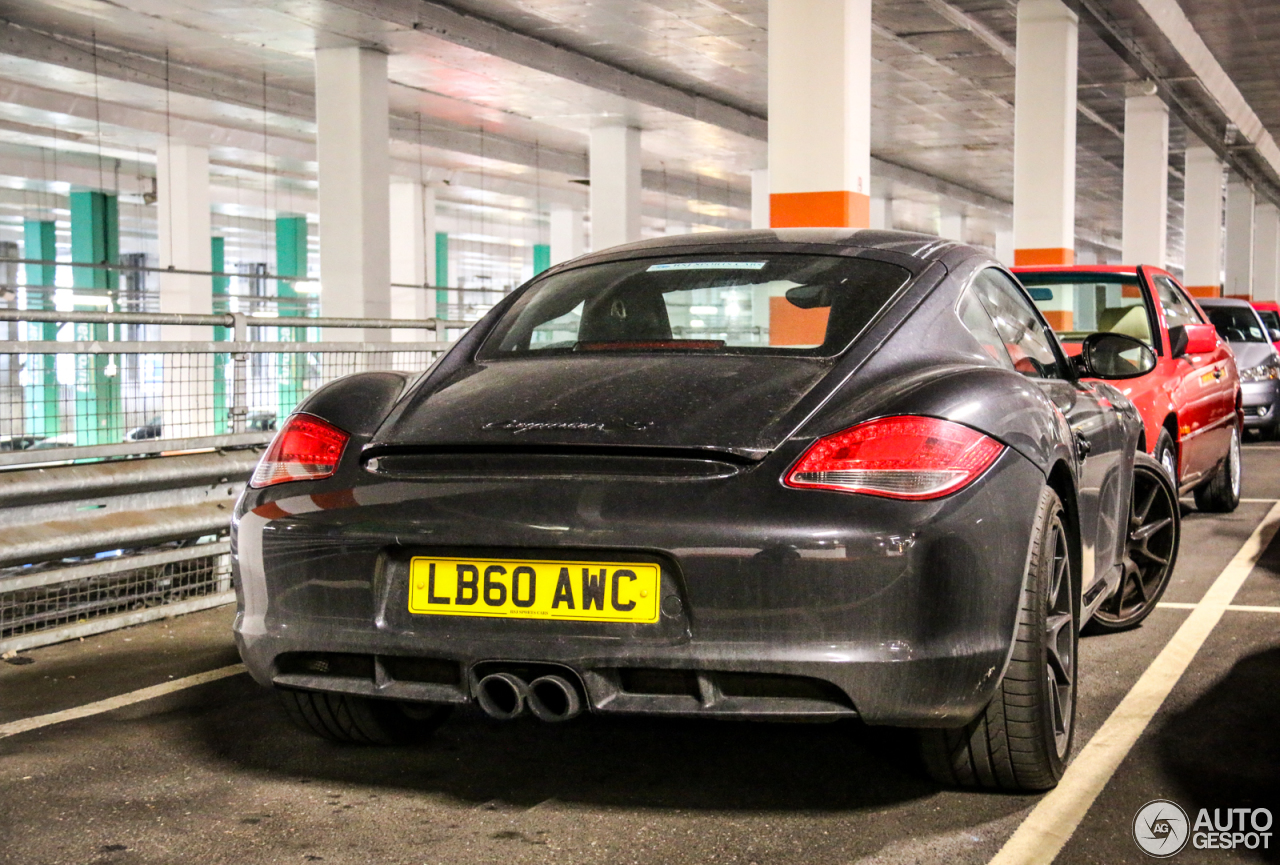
216,774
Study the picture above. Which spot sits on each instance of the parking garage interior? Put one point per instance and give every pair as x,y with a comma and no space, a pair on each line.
177,177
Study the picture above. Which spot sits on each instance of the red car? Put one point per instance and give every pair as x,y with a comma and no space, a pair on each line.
1269,312
1190,403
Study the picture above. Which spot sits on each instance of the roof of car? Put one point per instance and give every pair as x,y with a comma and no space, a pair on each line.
1266,304
922,246
1224,301
1128,269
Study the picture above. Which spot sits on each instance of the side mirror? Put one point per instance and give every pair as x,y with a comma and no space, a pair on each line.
1192,339
1274,334
1115,356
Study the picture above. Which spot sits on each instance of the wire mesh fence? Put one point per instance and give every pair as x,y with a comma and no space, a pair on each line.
73,389
31,609
81,386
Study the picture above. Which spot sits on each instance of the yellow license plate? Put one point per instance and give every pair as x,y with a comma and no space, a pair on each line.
501,588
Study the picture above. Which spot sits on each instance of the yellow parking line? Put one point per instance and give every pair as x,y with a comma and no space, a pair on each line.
1042,835
111,703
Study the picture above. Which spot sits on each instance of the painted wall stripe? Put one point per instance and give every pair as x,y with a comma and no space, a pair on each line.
1042,835
1048,255
111,703
837,209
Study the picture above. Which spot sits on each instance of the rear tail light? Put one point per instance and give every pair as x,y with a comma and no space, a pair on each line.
902,457
305,449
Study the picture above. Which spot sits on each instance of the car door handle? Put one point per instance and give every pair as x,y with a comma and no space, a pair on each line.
1083,445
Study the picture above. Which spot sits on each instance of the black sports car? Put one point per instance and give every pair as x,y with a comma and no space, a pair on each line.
774,474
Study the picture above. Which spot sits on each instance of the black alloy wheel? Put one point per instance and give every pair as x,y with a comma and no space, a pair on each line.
1151,550
1060,642
1021,740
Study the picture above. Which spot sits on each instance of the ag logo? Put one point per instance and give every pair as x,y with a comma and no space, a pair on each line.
1161,828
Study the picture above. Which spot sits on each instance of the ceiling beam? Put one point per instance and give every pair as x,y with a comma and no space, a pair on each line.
498,40
1227,98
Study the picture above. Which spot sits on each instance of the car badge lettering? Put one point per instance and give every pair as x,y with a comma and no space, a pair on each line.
519,427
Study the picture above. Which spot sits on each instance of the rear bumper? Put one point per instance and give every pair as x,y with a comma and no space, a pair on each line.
776,602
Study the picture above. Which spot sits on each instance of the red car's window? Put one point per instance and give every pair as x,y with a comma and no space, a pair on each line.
1177,309
1077,305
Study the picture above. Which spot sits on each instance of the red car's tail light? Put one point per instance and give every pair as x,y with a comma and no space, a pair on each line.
902,457
305,449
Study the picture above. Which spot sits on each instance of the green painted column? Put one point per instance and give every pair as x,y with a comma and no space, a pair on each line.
541,257
291,260
442,274
221,288
95,239
39,241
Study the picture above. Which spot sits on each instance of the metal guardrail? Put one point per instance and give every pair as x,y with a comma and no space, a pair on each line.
91,541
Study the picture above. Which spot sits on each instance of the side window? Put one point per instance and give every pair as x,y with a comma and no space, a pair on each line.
1177,309
1024,336
975,318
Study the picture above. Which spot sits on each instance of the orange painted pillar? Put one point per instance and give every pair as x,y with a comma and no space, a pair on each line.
820,113
1044,134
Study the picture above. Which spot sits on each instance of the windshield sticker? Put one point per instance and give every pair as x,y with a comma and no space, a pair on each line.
708,265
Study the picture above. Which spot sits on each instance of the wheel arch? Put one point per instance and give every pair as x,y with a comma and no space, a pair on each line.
1061,480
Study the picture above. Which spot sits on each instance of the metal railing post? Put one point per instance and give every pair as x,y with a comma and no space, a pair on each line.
240,374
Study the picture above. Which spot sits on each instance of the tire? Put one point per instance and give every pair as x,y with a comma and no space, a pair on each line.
1221,493
1166,453
1151,550
1021,740
354,720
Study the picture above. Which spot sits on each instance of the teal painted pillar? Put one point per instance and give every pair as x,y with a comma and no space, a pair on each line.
291,260
442,274
221,288
541,257
95,239
39,241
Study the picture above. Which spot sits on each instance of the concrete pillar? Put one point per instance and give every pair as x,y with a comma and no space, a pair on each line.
676,228
820,113
759,198
1044,134
95,238
565,233
408,251
615,185
39,242
951,225
881,212
1146,177
442,277
1202,221
1266,252
222,373
541,257
1004,250
183,223
352,133
1239,259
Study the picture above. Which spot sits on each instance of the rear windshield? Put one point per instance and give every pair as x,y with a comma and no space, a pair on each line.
804,305
1236,324
1077,305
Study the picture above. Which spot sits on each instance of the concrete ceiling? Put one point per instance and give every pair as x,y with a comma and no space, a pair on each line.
492,99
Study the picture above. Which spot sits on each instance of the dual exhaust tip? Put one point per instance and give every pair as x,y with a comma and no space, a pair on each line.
548,698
